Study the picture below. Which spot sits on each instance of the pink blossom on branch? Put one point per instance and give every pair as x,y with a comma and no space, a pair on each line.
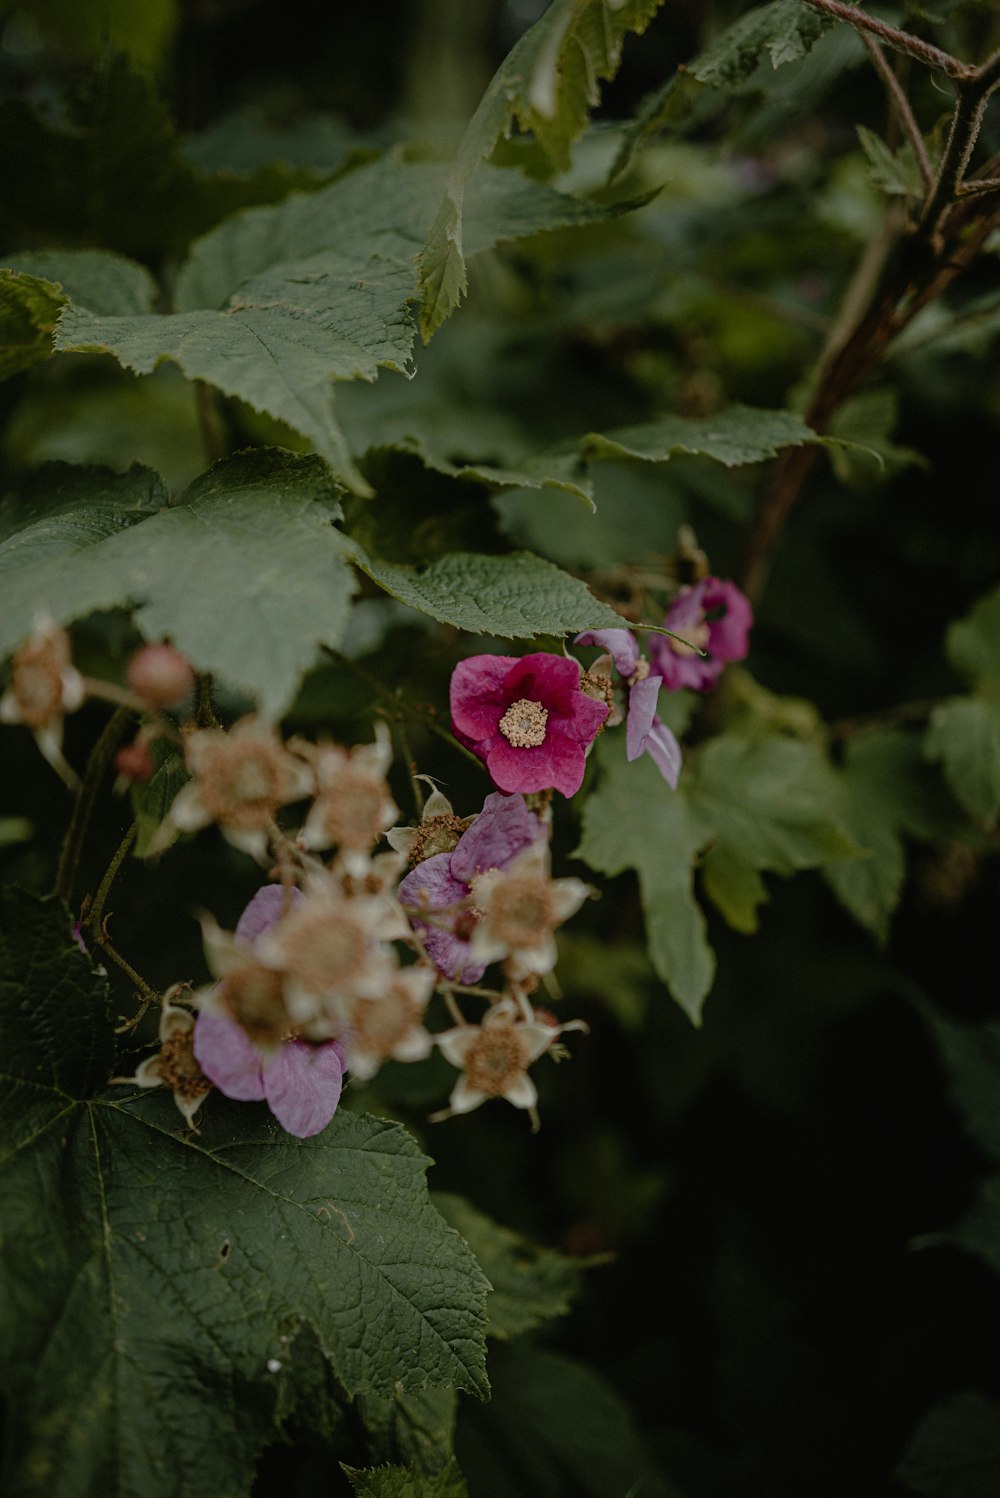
713,616
527,718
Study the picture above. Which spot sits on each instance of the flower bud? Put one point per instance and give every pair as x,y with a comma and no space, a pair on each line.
160,675
134,762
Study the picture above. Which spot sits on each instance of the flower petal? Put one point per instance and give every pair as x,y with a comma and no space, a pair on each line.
226,1055
302,1084
665,752
267,906
620,642
502,829
641,713
728,637
477,694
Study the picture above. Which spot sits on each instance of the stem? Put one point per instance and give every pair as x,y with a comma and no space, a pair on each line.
899,41
76,832
96,911
204,707
901,104
411,767
149,995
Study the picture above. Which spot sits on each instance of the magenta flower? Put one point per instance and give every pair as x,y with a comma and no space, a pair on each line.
503,829
715,617
300,1082
526,718
644,733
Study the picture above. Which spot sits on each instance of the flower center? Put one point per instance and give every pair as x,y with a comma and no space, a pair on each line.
329,950
495,1060
380,1024
241,784
253,995
523,724
696,634
520,911
353,810
179,1069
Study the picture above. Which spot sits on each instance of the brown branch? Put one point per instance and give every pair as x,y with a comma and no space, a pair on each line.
901,104
899,41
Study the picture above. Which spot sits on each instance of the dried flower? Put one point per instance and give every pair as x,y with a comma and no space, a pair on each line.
494,1057
441,885
526,718
175,1064
44,686
353,807
241,778
389,1026
518,909
713,616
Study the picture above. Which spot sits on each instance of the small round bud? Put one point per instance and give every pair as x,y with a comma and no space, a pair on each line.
160,675
134,762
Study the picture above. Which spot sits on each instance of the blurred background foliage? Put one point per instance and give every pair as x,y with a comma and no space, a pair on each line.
786,1302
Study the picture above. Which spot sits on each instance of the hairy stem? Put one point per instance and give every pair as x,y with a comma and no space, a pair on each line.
899,41
95,914
97,766
901,105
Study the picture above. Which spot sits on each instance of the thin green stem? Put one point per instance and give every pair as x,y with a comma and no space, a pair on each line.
97,766
210,426
901,104
149,995
95,913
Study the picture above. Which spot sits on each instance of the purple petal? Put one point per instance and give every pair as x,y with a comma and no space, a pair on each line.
451,956
641,713
264,909
728,637
620,643
502,829
226,1055
665,752
553,680
432,884
302,1085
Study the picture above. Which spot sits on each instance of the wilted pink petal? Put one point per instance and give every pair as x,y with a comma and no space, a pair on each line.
226,1055
724,638
302,1084
619,643
641,715
501,830
665,752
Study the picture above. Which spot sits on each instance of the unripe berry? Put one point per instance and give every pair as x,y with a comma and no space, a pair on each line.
160,675
134,762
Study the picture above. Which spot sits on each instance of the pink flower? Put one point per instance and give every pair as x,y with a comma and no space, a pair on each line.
644,733
526,718
713,616
504,828
300,1082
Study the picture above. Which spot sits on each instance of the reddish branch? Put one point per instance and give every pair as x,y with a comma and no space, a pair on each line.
956,218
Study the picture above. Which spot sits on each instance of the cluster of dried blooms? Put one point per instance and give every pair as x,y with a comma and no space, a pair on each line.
333,965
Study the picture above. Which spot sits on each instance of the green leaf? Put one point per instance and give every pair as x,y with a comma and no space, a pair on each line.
555,1427
153,798
278,302
736,435
895,172
416,1429
971,1056
29,308
244,573
516,597
15,830
547,86
785,30
973,644
184,1261
530,1284
965,735
979,1230
106,284
766,803
400,1482
633,820
887,791
955,1450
